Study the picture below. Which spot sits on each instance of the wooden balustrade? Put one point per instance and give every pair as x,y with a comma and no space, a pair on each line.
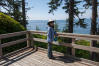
30,40
0,49
71,35
74,37
3,36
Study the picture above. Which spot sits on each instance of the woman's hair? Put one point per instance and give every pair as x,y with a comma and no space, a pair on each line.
49,24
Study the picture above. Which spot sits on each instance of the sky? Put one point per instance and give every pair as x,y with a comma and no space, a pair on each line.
39,11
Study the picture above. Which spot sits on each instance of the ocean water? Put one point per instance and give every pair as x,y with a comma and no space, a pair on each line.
42,25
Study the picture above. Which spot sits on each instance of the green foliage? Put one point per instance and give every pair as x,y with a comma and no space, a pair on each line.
54,4
56,27
37,28
82,54
40,36
81,23
79,53
61,49
14,48
82,42
14,8
65,29
87,4
9,25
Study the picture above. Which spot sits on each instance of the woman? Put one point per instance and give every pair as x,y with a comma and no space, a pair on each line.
50,37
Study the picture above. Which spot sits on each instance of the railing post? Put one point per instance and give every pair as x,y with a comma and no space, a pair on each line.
30,39
73,49
0,50
93,55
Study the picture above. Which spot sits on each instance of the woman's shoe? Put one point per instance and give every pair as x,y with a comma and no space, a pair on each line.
52,57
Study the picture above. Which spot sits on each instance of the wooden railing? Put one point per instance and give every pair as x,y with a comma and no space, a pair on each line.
3,36
73,45
74,37
30,40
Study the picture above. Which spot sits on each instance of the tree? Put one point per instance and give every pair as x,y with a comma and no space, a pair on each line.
2,3
9,25
13,9
37,28
70,8
94,26
98,30
16,10
24,14
56,27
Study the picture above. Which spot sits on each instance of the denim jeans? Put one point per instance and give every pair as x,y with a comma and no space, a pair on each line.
50,55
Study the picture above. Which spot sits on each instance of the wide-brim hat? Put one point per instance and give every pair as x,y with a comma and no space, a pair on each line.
50,21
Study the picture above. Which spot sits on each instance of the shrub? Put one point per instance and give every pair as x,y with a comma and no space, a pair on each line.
9,25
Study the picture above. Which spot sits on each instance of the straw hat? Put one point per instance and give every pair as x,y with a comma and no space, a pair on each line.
50,21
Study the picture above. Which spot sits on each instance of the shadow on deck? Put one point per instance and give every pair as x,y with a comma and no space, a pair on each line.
29,57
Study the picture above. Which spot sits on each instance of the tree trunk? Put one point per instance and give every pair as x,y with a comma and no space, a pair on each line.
15,10
71,19
23,13
94,27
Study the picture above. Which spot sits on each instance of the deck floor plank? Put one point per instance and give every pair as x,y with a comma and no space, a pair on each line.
38,58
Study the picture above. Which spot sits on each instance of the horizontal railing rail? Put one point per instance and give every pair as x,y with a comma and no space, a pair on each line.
74,37
29,38
13,42
72,45
3,36
71,35
88,48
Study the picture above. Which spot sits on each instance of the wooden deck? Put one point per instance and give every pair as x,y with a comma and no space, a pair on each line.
30,57
39,58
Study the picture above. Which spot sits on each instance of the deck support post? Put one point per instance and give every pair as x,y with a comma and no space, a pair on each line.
0,50
30,39
73,49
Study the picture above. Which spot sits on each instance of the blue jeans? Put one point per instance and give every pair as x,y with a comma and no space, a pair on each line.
50,55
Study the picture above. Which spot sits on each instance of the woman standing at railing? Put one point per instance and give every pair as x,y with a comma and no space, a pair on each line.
50,37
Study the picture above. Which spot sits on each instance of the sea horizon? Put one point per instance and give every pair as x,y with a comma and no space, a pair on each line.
42,26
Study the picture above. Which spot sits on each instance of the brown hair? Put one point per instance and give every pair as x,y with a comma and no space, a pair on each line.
49,24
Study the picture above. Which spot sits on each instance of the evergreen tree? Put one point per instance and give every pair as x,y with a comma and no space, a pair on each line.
15,9
24,22
56,27
37,28
71,8
94,27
